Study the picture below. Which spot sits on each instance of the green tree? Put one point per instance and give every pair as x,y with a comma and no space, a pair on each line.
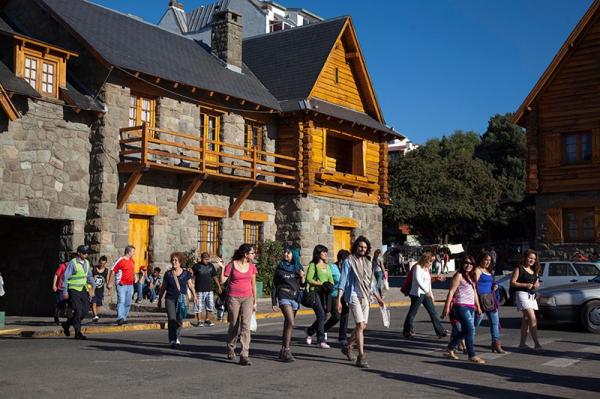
442,190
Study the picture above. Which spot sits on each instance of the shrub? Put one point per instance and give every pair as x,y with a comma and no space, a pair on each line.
270,254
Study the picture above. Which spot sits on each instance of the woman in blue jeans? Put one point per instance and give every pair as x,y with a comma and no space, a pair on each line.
486,289
462,298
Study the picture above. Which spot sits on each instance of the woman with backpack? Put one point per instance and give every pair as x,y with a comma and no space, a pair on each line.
320,281
421,293
175,284
241,300
287,281
486,289
463,302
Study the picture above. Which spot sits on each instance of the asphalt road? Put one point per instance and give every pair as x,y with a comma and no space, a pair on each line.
141,365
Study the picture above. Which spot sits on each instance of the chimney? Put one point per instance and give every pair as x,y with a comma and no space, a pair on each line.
226,38
176,4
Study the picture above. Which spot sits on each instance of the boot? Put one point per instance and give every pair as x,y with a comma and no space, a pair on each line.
361,361
497,347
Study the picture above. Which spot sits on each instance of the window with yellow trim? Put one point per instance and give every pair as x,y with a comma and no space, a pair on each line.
210,236
41,75
141,109
210,127
254,137
344,154
253,233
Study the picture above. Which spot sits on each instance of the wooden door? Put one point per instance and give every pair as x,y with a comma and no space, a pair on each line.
342,239
139,237
211,128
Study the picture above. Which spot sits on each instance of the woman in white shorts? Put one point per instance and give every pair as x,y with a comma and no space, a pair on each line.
525,280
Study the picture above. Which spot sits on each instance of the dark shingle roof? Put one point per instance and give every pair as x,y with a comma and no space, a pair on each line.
79,97
132,44
288,62
14,84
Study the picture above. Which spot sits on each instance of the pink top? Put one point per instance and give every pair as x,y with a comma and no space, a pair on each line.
465,294
240,284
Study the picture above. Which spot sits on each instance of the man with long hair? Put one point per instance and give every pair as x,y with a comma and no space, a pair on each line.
356,287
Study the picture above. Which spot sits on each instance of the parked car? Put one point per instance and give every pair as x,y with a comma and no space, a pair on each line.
572,303
556,272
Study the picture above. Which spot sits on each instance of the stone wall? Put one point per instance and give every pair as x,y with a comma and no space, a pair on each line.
565,250
44,164
305,221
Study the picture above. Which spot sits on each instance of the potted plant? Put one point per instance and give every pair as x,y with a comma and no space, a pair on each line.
269,256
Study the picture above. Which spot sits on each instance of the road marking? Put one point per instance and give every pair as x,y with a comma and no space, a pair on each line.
492,355
571,358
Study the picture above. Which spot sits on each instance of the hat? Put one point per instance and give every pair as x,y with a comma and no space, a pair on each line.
83,249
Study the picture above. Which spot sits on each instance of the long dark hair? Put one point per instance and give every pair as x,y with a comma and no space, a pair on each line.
376,255
481,259
461,268
242,251
341,257
319,249
360,239
537,268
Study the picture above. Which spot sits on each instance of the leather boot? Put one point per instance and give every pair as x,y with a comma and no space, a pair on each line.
497,347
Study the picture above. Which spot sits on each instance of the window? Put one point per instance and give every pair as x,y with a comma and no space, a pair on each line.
254,137
577,147
344,154
31,71
210,127
210,236
586,269
41,75
253,233
579,224
141,109
560,269
48,77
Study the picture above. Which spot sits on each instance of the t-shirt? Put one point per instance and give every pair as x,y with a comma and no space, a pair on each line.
203,276
125,271
172,291
322,275
240,284
100,279
60,271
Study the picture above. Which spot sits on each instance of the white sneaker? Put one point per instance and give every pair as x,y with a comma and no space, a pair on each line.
324,345
308,340
95,319
325,336
177,342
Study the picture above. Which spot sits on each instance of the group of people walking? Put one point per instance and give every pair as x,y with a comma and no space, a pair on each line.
332,290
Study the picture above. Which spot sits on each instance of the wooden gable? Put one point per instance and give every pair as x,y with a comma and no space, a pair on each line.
344,79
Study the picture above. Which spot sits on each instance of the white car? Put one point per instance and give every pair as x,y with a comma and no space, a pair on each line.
556,272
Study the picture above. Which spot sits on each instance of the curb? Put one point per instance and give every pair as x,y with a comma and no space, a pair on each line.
89,330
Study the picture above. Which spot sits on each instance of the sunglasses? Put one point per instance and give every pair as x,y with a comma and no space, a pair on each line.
468,263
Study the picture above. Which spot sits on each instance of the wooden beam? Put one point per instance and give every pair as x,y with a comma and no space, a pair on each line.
212,93
142,209
257,107
210,211
129,186
193,90
189,193
227,98
157,81
252,216
243,102
345,222
175,85
136,74
351,55
244,194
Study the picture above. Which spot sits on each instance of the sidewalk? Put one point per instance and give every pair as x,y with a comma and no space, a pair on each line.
147,316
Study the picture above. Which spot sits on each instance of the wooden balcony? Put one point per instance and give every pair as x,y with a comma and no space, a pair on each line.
145,148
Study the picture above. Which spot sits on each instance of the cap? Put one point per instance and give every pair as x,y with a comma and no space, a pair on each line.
83,249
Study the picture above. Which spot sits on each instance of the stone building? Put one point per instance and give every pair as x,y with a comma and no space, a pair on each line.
115,131
563,140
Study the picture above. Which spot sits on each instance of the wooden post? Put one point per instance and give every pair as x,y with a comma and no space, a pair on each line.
129,186
254,171
244,194
144,143
189,193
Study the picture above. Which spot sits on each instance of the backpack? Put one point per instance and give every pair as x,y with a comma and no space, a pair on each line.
407,284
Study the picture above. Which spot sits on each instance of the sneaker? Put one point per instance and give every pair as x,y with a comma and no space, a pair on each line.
173,344
324,345
66,331
287,355
361,361
308,339
325,336
208,323
443,334
120,322
95,319
177,342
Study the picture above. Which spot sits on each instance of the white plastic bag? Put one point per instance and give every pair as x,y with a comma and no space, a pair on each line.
386,285
2,292
385,316
253,324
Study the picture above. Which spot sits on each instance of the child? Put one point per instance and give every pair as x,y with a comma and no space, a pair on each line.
100,274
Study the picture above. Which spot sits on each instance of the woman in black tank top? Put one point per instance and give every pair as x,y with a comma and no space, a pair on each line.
525,281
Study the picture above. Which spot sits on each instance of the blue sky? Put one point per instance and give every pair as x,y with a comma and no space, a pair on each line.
441,65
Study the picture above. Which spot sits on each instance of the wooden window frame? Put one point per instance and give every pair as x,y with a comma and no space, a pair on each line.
580,214
359,153
249,226
41,58
248,134
139,98
210,227
205,116
579,142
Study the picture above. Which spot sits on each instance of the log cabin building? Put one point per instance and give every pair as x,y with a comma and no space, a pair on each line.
115,131
562,119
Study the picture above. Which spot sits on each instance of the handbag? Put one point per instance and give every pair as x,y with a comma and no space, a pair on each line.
487,302
309,298
181,306
407,284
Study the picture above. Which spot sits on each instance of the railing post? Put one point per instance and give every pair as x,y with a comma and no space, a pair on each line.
202,153
254,172
144,143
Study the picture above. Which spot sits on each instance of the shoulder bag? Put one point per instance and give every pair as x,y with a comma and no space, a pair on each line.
181,306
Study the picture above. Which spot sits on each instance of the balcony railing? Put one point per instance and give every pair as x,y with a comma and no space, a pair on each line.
154,148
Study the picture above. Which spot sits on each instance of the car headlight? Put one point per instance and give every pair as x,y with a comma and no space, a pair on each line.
547,300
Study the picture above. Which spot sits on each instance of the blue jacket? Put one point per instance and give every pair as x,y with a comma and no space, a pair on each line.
348,281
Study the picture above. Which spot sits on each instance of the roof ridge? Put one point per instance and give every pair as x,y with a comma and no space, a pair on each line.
331,20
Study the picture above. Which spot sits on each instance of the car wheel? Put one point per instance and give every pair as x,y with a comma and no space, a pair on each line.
590,316
502,297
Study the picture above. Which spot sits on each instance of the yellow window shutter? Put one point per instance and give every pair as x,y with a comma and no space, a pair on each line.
552,149
597,223
596,153
554,225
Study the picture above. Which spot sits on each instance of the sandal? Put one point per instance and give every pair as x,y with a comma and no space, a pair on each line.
477,359
450,355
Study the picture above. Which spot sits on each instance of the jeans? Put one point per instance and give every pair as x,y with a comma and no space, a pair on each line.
124,295
379,277
494,319
465,330
175,326
152,295
343,334
415,303
334,315
139,289
319,324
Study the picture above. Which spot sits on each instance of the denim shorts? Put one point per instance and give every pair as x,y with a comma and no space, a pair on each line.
285,301
205,302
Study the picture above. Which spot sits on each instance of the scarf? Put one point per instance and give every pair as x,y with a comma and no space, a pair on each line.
363,273
287,266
